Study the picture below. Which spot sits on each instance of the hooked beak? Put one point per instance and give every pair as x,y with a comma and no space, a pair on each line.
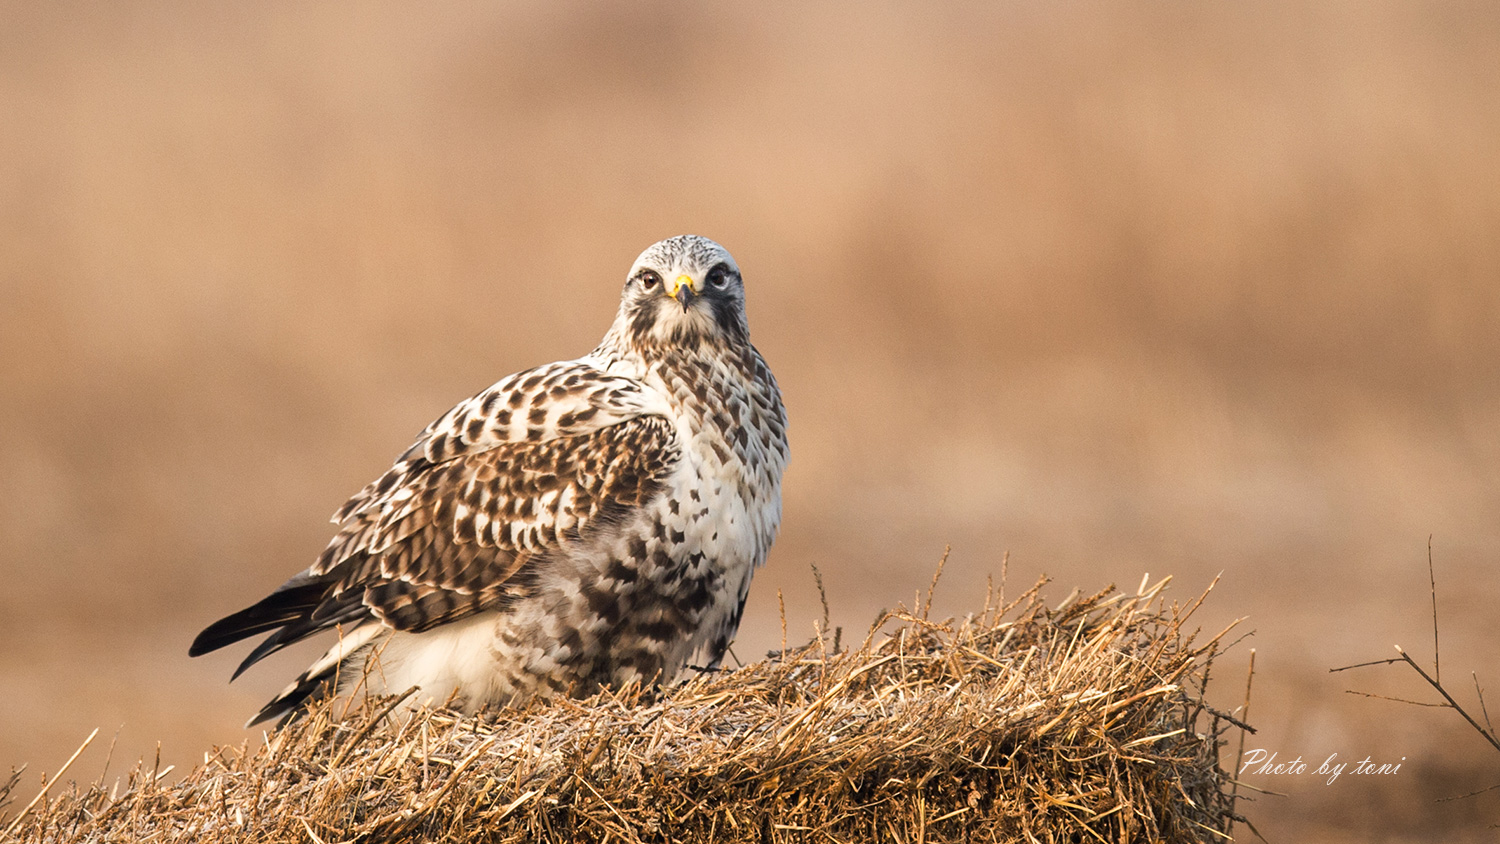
684,292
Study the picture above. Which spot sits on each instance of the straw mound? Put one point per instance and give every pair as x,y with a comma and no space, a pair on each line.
1023,723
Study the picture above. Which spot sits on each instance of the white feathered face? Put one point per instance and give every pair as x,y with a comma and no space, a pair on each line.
684,291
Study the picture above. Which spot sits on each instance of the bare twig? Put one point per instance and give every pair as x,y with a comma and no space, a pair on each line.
1490,737
1435,678
1470,794
1437,666
1482,707
1395,699
1365,664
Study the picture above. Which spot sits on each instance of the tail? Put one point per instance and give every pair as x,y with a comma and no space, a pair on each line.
302,606
327,672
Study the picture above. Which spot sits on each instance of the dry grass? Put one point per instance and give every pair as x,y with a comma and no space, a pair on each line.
1083,722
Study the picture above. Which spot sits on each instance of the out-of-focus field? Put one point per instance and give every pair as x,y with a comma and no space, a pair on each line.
1186,289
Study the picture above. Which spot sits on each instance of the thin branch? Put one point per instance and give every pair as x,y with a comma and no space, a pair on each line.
1482,707
1490,737
1396,699
1437,667
1365,664
1467,796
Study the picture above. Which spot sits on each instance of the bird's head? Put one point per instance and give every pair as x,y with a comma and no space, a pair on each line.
683,291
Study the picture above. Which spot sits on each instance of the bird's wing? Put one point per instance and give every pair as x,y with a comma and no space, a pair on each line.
449,540
521,470
533,406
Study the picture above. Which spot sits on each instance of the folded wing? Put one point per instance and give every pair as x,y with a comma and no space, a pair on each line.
522,470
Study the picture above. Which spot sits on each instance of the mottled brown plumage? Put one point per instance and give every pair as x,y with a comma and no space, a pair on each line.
580,524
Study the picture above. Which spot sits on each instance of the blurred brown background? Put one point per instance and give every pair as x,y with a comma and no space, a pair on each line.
1190,288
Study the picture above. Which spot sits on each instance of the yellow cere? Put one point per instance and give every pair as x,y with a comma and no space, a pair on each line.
681,280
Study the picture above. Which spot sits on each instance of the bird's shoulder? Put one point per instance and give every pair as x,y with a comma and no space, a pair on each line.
531,407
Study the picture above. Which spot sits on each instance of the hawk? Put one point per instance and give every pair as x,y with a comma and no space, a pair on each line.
579,525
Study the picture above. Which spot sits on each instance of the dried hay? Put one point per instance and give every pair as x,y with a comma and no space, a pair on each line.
1083,722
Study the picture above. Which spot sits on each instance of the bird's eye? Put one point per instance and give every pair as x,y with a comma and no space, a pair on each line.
719,275
649,279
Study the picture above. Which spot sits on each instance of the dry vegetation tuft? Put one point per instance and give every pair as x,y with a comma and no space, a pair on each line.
1083,722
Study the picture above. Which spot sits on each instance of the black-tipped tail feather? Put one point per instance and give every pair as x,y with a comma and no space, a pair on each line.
297,609
288,705
295,599
330,671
